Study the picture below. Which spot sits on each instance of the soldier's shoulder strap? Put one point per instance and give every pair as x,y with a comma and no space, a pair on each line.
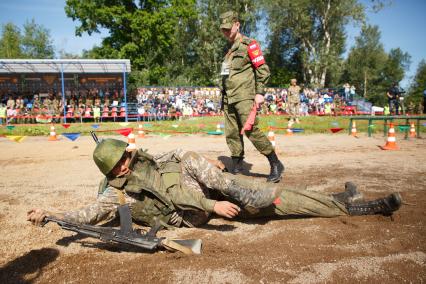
246,40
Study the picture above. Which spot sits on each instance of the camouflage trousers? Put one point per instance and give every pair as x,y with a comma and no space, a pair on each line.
236,115
200,175
294,108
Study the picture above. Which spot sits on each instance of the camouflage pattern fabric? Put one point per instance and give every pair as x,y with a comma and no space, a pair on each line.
248,75
199,180
294,102
236,115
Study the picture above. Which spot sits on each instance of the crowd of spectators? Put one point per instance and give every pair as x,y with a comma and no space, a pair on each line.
154,103
158,103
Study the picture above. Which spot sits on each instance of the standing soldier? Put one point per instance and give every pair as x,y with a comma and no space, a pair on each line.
244,76
35,109
55,107
294,101
337,104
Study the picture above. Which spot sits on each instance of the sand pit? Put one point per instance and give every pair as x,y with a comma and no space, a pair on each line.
61,176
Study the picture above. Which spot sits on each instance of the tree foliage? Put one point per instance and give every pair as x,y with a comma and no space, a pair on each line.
418,86
311,34
170,42
34,42
10,42
371,69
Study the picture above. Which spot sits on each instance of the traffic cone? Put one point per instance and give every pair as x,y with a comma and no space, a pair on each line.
131,141
289,130
52,136
412,130
353,131
271,137
391,141
141,133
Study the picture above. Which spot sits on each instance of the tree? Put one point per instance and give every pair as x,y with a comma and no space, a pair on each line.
396,64
144,32
418,86
314,33
168,41
371,69
365,63
208,44
10,42
36,41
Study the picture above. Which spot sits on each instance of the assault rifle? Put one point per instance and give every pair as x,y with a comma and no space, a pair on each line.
127,235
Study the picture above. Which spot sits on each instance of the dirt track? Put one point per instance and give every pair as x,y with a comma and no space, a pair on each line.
61,176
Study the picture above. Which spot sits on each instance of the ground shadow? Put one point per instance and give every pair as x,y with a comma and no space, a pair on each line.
27,268
115,247
219,227
99,244
227,161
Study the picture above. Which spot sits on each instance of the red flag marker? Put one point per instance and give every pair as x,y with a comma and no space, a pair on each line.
334,130
124,131
250,120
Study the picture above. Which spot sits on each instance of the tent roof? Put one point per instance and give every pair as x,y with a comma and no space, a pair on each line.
8,66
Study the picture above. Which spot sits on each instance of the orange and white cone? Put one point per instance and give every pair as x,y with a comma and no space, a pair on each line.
131,140
52,136
289,130
353,130
412,130
391,142
271,137
141,133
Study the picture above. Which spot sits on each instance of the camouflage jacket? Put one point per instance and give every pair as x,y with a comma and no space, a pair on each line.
153,190
248,72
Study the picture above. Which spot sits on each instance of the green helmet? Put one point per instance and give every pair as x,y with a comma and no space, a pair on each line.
108,153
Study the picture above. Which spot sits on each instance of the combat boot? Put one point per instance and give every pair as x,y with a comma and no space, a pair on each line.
350,195
237,165
277,168
384,206
252,199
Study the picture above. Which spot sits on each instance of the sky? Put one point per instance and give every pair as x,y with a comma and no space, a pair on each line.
402,24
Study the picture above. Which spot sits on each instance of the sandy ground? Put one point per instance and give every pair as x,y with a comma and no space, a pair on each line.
61,175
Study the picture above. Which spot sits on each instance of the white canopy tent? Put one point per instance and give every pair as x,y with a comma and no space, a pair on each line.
11,66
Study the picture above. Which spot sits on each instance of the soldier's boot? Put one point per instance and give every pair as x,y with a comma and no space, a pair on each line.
350,195
277,168
384,206
237,165
252,199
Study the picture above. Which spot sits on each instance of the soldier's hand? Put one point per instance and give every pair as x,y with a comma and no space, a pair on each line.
36,216
259,100
218,164
226,209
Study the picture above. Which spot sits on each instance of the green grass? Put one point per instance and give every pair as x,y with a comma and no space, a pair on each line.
200,125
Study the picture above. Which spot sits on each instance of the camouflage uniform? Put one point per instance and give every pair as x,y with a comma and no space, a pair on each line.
244,74
35,109
178,187
294,102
